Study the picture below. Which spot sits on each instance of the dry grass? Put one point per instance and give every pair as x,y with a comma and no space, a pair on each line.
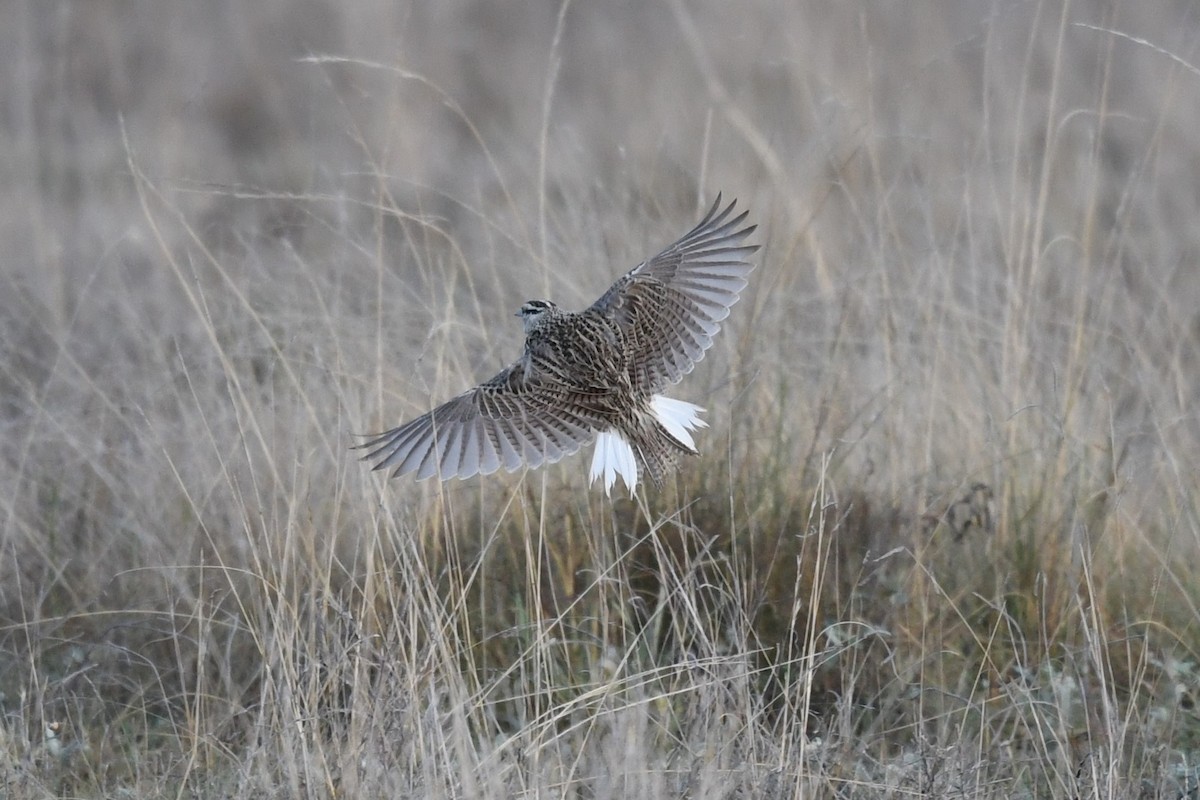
232,242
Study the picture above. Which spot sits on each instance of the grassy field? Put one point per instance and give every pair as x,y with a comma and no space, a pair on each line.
943,537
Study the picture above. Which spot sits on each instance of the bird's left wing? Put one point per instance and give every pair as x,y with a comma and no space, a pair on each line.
517,418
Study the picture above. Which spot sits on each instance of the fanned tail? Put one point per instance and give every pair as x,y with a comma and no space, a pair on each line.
658,440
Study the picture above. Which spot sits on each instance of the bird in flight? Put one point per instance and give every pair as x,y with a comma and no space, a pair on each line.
593,375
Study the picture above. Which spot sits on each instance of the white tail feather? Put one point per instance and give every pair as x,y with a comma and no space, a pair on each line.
678,417
614,457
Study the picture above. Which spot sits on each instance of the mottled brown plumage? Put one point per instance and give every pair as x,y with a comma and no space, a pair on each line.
591,375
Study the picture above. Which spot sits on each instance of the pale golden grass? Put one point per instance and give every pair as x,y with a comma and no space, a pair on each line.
229,249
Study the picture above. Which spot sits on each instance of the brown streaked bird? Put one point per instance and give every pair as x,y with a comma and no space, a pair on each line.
593,375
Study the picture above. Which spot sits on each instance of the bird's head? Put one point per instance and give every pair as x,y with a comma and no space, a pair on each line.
535,311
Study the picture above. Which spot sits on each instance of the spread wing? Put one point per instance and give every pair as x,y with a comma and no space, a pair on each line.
670,306
516,418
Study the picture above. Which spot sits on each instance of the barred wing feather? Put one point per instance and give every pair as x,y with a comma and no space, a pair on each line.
509,421
671,306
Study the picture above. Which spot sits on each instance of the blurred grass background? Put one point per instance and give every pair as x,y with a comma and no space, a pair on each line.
943,535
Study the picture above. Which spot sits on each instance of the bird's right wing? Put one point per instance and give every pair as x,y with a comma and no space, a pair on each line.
516,418
670,307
